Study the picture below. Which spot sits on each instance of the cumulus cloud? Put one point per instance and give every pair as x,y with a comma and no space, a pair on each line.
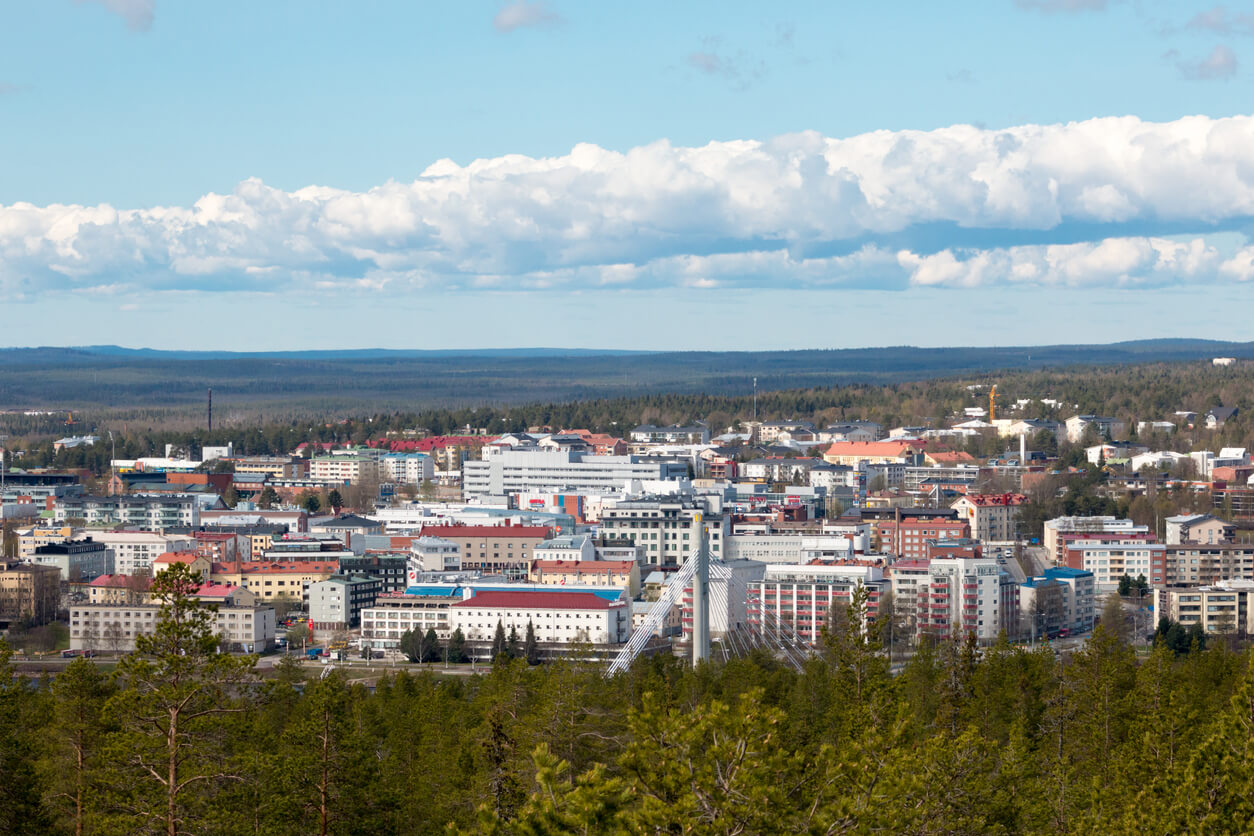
1223,21
1115,201
138,14
521,13
1221,64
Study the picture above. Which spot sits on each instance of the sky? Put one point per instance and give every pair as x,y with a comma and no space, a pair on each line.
701,175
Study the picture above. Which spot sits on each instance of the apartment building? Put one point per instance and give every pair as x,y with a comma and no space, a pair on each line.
1221,608
668,529
432,554
152,513
501,549
622,574
81,560
873,452
1110,561
1198,528
29,539
276,467
419,609
1192,564
799,598
1061,530
135,551
268,581
968,596
345,469
1060,599
29,592
406,468
907,537
337,602
242,625
993,517
505,472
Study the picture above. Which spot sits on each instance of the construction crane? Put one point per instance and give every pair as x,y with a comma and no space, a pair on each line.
992,404
69,419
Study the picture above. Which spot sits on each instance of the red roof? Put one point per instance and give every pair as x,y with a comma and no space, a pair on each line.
119,581
426,445
178,557
536,601
215,590
872,448
260,567
987,500
449,531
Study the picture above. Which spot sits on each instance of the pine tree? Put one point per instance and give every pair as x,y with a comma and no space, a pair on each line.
334,500
531,650
512,643
21,810
74,764
430,646
498,641
170,755
457,647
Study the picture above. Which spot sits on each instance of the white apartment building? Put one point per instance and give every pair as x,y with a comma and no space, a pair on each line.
406,468
502,472
395,613
1057,529
970,596
787,548
1110,561
1223,608
992,517
150,512
799,599
557,617
348,469
432,554
136,550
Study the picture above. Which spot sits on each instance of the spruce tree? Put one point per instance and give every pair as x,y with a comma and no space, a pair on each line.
457,647
531,649
498,641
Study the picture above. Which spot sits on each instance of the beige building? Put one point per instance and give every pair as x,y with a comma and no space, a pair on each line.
1223,608
349,469
29,592
112,628
493,549
290,579
871,452
624,574
992,517
29,539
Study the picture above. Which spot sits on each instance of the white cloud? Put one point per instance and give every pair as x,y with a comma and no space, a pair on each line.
1113,201
138,14
519,14
1223,21
1221,64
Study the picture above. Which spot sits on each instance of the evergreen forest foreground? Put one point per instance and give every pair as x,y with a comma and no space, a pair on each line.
181,739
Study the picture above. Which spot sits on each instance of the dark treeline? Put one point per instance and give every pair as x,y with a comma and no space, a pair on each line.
963,740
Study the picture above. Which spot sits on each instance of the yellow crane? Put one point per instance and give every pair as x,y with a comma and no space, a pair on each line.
992,403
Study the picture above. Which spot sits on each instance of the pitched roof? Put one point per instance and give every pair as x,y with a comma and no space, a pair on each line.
536,601
585,567
178,557
872,448
453,531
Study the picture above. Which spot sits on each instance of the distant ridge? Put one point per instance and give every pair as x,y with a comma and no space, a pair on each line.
334,381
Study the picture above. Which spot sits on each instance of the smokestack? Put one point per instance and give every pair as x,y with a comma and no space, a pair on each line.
1023,449
210,409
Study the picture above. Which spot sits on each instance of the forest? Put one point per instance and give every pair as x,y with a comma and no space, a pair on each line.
996,740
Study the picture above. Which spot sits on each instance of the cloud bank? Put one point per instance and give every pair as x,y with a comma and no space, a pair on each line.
1112,202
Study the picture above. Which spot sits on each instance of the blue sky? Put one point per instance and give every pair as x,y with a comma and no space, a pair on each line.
650,175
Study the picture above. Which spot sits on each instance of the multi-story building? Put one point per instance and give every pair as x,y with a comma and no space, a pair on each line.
968,596
389,568
29,592
623,574
406,468
667,528
1060,531
419,609
1104,427
993,517
337,602
798,599
1060,599
278,467
789,547
906,536
1197,565
28,539
873,452
80,560
504,472
432,554
134,551
152,513
288,580
1222,608
730,581
1198,528
557,617
1110,561
241,624
501,549
346,468
674,434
